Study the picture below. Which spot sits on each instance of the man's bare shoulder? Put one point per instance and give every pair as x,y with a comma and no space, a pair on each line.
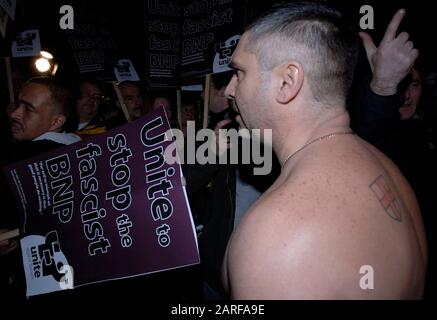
283,248
311,233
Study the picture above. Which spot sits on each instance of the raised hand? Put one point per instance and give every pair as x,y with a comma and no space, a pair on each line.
392,60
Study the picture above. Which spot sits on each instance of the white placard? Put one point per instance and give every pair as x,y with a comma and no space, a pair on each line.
26,44
125,71
224,51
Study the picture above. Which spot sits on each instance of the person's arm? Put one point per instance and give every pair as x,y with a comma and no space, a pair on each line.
390,63
392,60
197,176
374,114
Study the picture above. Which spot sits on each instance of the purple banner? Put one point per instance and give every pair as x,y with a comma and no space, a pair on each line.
105,208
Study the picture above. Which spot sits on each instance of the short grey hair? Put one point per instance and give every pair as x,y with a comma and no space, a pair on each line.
314,34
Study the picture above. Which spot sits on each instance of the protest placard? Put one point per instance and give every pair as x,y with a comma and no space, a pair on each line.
106,208
26,44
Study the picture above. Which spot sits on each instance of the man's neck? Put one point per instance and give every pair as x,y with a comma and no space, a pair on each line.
289,139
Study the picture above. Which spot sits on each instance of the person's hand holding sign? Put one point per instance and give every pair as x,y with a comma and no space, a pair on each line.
392,60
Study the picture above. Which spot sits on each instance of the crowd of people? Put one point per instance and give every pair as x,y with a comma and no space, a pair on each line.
352,184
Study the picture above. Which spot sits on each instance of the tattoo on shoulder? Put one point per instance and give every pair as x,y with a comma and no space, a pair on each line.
387,198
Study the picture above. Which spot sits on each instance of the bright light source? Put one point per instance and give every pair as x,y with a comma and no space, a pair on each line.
46,54
42,65
45,63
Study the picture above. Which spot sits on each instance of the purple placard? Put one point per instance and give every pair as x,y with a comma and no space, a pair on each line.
105,208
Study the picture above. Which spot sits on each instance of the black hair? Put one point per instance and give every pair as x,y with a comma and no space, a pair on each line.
63,100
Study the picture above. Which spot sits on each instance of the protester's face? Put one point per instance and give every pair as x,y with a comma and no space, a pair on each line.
34,113
163,102
249,99
89,102
219,102
133,100
187,114
412,96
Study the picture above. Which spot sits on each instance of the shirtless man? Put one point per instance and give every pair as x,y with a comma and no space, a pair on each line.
339,204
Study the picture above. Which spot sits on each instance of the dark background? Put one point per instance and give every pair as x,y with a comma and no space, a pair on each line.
125,22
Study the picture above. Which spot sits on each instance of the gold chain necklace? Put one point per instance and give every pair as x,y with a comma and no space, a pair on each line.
328,136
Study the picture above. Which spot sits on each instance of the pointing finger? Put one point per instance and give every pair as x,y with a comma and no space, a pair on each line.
392,28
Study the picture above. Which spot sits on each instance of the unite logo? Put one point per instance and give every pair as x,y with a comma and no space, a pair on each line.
224,51
47,262
43,263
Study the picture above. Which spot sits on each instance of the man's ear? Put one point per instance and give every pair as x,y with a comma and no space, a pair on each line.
58,121
291,77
